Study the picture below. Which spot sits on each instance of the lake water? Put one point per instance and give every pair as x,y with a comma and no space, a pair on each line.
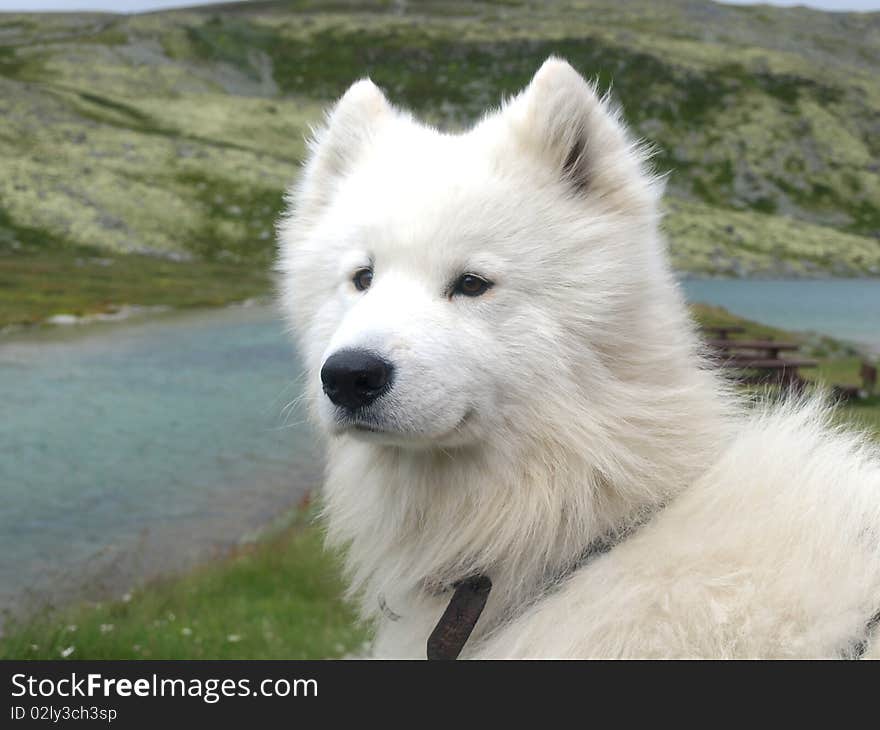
134,448
848,309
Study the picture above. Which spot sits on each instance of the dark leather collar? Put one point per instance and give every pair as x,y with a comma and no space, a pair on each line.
458,620
470,595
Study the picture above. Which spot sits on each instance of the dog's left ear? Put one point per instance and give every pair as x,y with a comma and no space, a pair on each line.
562,120
336,146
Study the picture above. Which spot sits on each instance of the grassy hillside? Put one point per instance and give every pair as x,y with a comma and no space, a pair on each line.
173,134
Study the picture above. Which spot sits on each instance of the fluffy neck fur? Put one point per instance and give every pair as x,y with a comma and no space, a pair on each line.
415,521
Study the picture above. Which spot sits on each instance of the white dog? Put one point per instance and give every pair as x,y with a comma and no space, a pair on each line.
512,388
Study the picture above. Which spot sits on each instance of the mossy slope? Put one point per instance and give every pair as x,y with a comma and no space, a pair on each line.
174,134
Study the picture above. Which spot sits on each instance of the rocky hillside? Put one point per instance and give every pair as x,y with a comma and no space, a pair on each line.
175,133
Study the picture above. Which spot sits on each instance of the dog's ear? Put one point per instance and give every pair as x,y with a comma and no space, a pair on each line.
565,122
337,144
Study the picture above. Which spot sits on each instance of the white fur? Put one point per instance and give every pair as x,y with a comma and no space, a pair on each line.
565,403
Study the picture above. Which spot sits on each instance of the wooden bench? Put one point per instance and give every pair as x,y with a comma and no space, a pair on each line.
762,363
761,357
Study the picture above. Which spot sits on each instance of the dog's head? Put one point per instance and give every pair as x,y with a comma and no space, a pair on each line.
444,286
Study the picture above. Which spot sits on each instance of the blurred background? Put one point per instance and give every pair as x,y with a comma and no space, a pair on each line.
155,470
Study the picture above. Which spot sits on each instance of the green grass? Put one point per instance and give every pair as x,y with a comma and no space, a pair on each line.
34,287
278,598
864,415
42,274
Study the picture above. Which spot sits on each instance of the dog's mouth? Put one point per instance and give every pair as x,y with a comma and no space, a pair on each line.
368,428
359,425
359,422
363,427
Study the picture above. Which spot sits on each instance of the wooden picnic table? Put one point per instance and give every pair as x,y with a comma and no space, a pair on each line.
778,370
760,362
760,357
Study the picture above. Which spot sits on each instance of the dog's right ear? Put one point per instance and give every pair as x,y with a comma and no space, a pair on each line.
562,120
337,144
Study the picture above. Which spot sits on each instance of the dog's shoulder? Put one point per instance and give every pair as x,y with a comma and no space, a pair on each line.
774,551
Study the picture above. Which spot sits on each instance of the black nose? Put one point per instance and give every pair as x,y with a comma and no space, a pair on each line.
355,378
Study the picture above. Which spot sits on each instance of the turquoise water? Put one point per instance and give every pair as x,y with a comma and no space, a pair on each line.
133,448
847,309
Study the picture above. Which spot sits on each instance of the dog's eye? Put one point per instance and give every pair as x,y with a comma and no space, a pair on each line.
471,285
362,279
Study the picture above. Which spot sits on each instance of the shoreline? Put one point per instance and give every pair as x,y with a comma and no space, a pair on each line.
124,313
116,572
280,596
